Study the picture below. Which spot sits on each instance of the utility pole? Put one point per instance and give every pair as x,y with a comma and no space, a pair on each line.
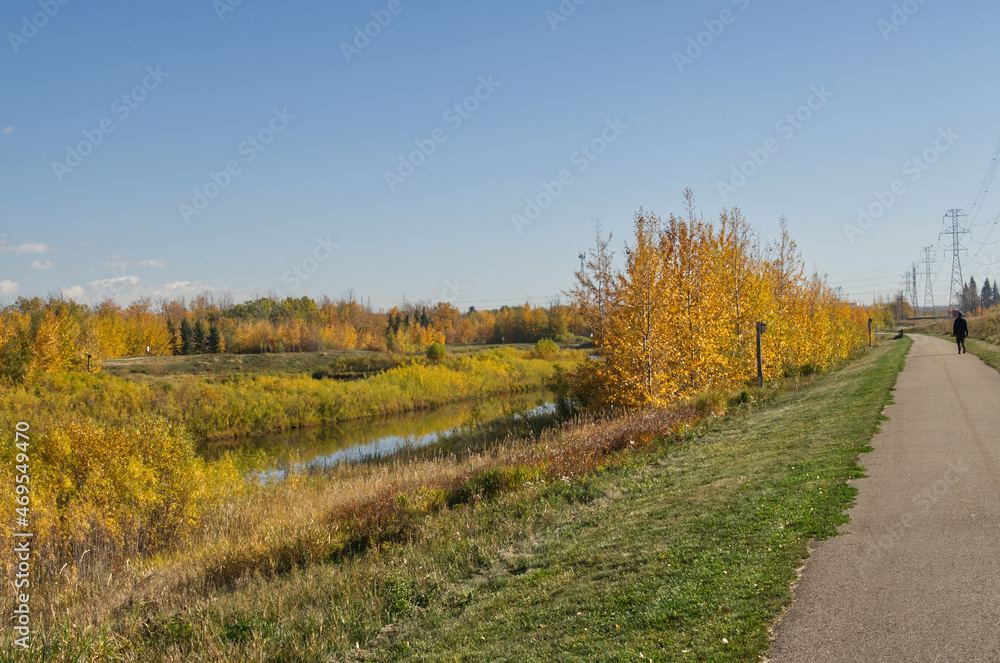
582,257
957,230
927,262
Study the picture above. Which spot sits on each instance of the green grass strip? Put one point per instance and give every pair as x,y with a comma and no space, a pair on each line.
692,557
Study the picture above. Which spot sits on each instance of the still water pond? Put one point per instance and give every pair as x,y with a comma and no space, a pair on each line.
324,446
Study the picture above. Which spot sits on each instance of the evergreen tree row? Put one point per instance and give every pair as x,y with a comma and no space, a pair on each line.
195,339
976,300
399,321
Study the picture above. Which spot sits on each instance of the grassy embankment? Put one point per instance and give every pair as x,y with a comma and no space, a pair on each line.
599,541
339,363
349,363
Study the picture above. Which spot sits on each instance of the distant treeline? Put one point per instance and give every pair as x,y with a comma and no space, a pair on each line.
972,301
57,335
976,301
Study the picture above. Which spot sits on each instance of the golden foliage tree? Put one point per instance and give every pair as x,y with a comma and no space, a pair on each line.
680,317
54,347
636,325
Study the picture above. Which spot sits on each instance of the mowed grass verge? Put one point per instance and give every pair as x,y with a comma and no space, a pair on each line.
690,553
681,550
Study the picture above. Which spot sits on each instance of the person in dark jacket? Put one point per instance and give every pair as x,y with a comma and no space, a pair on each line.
960,330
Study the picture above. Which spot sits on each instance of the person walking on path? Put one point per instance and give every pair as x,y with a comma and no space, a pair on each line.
960,330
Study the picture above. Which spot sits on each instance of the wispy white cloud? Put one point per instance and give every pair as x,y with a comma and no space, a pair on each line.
23,248
121,263
8,130
38,264
102,289
8,287
125,289
178,288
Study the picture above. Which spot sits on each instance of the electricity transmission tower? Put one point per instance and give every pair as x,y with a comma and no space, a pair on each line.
909,286
957,230
927,262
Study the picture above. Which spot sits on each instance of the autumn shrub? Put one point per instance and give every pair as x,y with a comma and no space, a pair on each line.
102,494
436,352
587,386
545,348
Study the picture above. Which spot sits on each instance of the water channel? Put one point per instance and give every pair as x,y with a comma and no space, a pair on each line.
272,454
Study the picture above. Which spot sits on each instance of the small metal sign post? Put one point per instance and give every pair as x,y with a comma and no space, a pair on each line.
761,328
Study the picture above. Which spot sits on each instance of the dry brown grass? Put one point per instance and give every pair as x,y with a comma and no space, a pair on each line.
316,518
984,327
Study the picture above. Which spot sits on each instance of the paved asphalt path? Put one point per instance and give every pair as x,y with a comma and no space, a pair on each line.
916,574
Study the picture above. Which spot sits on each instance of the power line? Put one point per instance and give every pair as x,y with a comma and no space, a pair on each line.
881,282
985,242
984,189
873,278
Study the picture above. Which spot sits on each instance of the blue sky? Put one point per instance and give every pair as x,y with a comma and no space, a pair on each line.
120,119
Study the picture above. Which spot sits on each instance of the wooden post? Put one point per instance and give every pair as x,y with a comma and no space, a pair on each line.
869,332
761,328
